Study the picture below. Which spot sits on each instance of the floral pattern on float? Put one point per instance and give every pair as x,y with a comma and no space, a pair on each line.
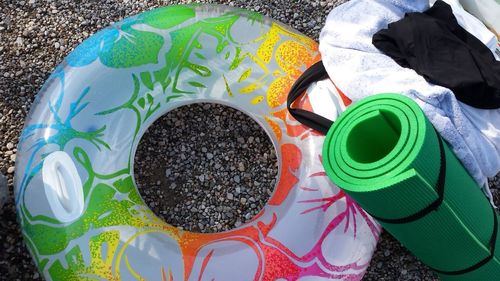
98,103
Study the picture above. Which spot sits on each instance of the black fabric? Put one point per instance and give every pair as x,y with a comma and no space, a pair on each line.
438,48
314,73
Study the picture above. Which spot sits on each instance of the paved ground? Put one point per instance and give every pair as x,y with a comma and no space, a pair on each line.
35,35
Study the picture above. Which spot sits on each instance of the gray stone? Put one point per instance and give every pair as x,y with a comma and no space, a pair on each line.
236,179
241,167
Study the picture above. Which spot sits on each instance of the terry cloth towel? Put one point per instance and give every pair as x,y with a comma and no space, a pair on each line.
436,47
360,70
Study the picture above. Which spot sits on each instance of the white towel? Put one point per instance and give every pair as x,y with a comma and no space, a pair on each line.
360,70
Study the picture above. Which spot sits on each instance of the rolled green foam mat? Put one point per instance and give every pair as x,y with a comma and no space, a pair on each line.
386,155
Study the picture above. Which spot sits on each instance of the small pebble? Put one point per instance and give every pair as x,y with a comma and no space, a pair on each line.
241,167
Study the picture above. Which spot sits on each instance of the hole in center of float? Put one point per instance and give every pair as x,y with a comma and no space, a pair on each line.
374,137
205,167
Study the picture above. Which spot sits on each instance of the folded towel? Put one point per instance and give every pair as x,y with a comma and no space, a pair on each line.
360,70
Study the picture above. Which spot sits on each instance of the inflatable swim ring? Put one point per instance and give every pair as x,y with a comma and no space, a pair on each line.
80,212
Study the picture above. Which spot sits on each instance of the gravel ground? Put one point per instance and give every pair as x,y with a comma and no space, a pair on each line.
231,162
35,35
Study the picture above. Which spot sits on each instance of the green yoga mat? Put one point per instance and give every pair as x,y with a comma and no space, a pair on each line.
387,156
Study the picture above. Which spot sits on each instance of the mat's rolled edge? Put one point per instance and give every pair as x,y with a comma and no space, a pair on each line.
475,235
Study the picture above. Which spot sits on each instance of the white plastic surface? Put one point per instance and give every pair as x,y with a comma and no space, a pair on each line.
325,99
63,186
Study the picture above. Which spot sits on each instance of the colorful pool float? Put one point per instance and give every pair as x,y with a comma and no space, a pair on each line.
80,212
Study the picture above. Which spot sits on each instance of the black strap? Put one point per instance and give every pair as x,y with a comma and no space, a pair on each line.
319,123
314,73
492,246
439,188
435,204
